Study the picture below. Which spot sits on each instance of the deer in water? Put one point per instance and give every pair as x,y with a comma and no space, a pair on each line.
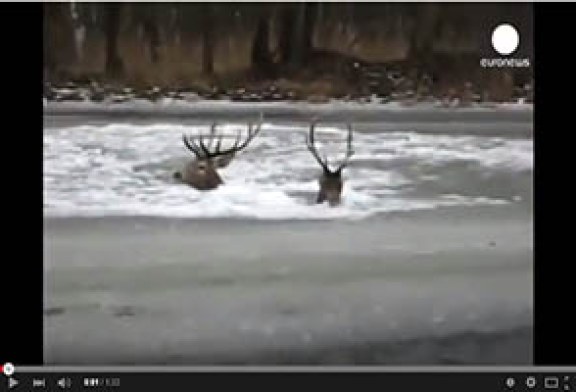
330,181
202,173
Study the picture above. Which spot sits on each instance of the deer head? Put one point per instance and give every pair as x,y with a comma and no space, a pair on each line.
202,172
330,181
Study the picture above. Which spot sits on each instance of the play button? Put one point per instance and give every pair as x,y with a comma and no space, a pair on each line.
12,382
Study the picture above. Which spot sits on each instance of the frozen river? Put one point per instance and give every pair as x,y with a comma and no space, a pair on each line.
126,168
428,260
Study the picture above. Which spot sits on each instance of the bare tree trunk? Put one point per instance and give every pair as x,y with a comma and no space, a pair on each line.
151,31
297,55
286,34
424,32
114,66
297,29
261,56
59,49
207,40
310,16
49,60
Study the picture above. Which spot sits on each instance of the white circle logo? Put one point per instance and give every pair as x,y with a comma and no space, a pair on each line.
505,39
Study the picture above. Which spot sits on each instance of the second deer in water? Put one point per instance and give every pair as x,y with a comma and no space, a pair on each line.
330,181
201,173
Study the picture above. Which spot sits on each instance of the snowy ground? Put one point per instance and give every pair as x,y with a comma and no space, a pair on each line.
428,260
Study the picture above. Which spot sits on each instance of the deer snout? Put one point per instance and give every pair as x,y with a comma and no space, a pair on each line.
202,166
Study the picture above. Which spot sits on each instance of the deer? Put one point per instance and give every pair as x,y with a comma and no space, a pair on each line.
330,181
201,173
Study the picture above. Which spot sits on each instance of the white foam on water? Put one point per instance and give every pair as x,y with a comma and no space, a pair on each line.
124,169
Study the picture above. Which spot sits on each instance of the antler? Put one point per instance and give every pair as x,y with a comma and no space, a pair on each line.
324,163
349,150
205,151
312,147
253,130
192,146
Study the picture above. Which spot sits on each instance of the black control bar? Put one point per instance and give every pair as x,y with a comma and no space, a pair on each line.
445,379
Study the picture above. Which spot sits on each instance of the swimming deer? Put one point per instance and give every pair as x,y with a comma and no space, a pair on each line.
331,180
201,173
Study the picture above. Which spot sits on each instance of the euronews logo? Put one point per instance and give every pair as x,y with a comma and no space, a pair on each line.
505,41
